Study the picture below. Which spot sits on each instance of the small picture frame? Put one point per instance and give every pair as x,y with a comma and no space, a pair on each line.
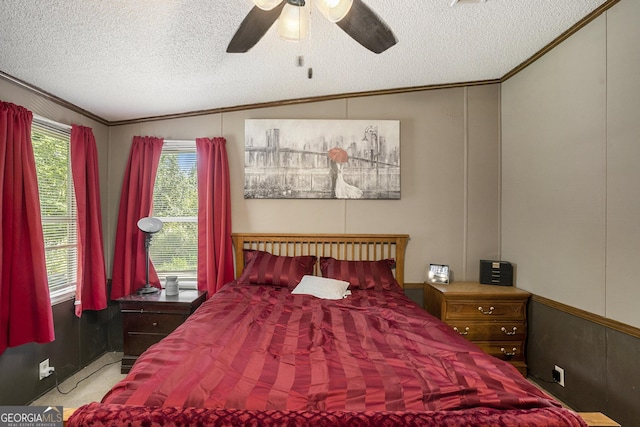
438,273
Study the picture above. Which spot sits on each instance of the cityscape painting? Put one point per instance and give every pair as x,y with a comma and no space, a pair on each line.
322,159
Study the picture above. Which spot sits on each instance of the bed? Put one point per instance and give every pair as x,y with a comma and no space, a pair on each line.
316,330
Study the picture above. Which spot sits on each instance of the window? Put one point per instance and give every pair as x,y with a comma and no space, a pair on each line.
174,250
51,147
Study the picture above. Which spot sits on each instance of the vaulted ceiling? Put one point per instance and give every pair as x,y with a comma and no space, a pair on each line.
122,60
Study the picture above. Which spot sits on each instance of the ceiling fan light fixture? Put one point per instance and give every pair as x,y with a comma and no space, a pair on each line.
267,4
355,18
293,23
334,10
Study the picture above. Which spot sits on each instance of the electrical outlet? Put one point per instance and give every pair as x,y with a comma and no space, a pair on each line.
558,375
44,369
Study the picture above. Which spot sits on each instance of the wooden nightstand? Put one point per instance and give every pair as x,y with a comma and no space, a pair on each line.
493,317
146,319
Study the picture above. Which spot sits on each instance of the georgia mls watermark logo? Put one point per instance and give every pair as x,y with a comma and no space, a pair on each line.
30,416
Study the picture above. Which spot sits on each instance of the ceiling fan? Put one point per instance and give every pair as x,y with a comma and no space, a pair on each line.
353,16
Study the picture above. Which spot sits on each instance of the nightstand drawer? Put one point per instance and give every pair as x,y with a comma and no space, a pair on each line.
490,331
155,323
484,310
146,319
137,343
510,351
493,317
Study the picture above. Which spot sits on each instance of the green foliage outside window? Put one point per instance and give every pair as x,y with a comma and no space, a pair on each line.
174,250
57,205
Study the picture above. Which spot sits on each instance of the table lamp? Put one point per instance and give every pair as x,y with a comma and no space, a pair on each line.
149,226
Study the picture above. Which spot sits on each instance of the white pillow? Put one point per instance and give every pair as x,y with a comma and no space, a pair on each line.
321,287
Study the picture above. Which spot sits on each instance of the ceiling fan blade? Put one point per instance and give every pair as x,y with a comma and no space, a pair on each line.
253,27
367,28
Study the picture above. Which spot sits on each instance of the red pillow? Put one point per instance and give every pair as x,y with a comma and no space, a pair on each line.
263,268
361,274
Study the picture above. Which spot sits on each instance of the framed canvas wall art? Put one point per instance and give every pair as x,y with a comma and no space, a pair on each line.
322,159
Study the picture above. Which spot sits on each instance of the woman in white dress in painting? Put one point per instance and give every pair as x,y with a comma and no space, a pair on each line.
342,190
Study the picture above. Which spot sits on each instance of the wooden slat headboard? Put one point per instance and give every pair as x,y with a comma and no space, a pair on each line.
359,247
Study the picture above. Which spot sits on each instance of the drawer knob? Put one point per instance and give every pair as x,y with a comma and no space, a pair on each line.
486,312
155,324
509,354
513,332
465,332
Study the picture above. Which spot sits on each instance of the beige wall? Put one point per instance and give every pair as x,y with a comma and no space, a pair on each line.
570,169
623,162
449,175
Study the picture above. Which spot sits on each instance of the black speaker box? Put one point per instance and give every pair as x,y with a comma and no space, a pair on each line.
496,273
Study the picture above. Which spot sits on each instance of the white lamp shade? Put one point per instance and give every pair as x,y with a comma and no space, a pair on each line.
293,24
334,10
267,4
150,225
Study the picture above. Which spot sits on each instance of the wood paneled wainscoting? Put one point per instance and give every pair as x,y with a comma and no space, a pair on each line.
599,357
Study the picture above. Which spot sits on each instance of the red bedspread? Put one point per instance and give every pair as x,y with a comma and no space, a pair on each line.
261,348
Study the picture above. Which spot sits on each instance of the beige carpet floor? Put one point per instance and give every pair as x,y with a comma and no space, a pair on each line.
87,385
93,382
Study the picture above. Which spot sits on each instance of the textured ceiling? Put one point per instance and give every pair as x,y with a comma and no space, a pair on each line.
128,59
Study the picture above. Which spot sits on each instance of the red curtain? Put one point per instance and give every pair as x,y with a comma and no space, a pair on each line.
25,307
91,285
215,251
136,201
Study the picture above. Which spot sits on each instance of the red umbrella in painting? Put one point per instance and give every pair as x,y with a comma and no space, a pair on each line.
338,155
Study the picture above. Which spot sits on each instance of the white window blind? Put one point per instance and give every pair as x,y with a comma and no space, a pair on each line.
174,250
51,147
